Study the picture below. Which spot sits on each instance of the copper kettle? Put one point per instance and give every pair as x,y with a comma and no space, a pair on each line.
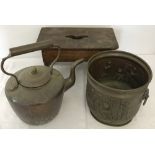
35,93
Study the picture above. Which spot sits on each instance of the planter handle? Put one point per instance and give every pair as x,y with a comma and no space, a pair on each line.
145,96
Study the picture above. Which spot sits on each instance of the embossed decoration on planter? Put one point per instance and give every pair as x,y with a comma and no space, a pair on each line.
117,83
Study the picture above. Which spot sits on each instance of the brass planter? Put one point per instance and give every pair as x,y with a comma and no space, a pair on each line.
117,84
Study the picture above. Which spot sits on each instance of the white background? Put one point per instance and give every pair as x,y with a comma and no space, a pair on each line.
74,112
94,12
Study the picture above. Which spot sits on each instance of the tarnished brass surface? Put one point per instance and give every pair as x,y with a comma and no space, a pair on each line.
116,86
37,105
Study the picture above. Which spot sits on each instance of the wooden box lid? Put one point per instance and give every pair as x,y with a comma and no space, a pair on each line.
77,42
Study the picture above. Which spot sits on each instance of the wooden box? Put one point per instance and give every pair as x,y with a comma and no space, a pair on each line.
76,43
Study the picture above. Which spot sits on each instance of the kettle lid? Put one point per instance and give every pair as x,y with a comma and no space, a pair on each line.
34,76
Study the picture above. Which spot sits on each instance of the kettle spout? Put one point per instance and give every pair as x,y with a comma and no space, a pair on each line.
69,82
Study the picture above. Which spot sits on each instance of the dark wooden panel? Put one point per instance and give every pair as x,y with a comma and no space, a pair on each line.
77,42
66,55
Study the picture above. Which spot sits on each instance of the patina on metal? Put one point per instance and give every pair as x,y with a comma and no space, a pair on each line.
77,42
117,83
35,93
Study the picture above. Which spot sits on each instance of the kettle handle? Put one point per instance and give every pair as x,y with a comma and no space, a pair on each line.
30,48
27,49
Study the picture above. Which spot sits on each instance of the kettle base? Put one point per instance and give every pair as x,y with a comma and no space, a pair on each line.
37,123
